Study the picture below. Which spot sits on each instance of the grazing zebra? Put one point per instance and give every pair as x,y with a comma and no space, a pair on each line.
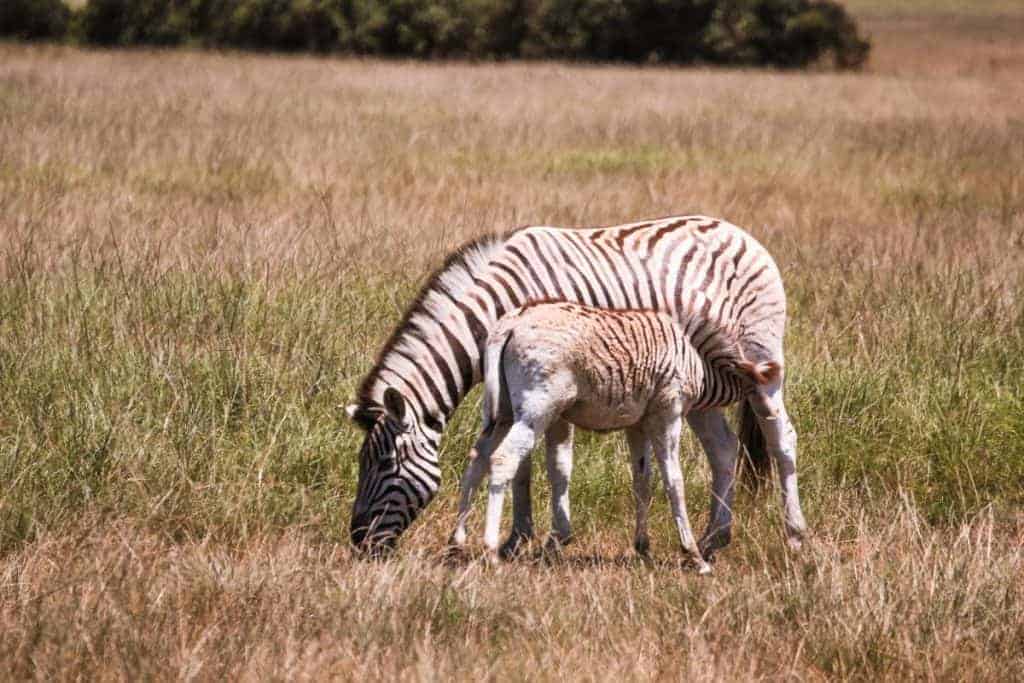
708,275
598,369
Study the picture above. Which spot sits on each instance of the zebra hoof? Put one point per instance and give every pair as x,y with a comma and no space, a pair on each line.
642,546
514,546
711,544
553,547
455,554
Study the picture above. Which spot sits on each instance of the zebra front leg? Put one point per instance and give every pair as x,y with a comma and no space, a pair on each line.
721,447
522,511
666,449
641,454
558,447
780,438
504,463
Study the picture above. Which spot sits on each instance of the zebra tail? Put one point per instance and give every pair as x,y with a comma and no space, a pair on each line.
755,462
493,375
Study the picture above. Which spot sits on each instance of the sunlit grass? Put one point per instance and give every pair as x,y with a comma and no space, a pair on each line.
202,253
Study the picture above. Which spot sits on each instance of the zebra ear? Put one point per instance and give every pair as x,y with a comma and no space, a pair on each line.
363,417
394,404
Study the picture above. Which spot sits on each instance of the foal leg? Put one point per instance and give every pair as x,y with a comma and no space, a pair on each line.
780,438
666,449
504,464
641,454
721,447
522,510
479,462
558,446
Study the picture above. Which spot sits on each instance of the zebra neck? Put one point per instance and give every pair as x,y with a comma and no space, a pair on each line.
434,358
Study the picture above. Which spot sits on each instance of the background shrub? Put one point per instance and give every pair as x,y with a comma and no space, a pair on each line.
783,33
33,19
634,30
134,22
314,25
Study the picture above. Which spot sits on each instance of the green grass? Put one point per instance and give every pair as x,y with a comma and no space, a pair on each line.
202,254
207,403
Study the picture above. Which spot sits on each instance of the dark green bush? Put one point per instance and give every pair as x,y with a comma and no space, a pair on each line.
314,25
34,19
416,28
630,30
784,33
500,27
134,22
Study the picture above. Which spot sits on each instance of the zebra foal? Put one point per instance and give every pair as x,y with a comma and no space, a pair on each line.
550,365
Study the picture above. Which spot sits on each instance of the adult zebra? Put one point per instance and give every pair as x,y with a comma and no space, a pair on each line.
718,283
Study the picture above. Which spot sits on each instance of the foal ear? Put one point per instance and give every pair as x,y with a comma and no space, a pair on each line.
394,404
760,373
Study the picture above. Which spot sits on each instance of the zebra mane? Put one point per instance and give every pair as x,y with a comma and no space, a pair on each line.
456,275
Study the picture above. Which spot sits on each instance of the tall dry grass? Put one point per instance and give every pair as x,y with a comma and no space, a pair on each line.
202,252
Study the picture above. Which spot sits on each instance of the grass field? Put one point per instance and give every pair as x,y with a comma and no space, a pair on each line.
201,254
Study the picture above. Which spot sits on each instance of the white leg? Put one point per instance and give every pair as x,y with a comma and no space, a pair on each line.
522,510
504,463
479,463
470,482
641,454
780,438
666,449
558,446
721,447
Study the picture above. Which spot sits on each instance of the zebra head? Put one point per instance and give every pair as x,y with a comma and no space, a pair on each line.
398,472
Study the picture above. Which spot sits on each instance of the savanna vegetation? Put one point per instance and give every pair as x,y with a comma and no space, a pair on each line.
202,252
783,33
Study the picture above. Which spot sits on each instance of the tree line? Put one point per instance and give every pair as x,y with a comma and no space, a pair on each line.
780,33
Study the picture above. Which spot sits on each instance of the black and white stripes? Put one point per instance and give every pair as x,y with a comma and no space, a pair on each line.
713,278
